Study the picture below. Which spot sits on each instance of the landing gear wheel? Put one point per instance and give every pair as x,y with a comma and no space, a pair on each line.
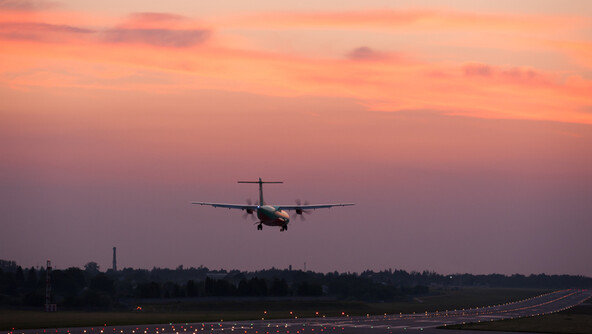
284,228
260,227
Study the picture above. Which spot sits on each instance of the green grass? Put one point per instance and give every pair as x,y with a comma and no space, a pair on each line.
577,320
36,319
227,310
468,297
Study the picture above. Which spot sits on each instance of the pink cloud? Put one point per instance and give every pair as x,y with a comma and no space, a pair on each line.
41,32
477,70
157,29
366,53
158,42
416,18
579,51
157,37
150,19
513,74
26,5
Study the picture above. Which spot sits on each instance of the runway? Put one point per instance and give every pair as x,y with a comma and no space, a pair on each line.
389,323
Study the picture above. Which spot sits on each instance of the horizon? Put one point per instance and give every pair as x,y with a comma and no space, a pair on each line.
182,267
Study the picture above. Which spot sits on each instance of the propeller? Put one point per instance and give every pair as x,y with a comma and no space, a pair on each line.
249,212
299,203
300,212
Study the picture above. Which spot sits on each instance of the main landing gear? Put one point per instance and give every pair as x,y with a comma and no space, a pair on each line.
284,228
260,227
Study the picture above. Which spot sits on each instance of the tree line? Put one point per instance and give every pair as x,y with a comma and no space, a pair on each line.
89,287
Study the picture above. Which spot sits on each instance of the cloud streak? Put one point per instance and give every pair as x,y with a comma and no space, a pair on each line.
399,19
365,53
157,29
154,29
157,37
42,32
151,19
26,5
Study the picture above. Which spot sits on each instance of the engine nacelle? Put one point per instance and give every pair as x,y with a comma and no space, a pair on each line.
249,211
298,211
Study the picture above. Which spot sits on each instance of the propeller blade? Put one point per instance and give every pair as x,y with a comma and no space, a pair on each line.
301,217
299,202
247,213
300,212
306,211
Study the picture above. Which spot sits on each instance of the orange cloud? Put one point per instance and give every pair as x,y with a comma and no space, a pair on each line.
165,53
42,32
416,19
510,75
579,51
157,29
157,37
26,5
153,20
366,53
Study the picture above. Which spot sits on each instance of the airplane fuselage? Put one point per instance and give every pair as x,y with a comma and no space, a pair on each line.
272,216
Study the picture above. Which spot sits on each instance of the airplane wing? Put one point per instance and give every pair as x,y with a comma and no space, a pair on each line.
311,206
229,206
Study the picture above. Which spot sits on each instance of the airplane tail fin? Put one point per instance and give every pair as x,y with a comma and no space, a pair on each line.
260,182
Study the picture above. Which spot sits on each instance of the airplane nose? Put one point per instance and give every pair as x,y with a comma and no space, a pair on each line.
285,217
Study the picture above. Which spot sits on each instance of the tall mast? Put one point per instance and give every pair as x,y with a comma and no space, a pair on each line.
47,285
114,259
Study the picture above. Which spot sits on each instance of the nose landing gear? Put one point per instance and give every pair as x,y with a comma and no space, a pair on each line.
260,227
284,228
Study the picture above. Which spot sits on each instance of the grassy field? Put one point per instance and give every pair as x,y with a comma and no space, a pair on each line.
577,320
179,312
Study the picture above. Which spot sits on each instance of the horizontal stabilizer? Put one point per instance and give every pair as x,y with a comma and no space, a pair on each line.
260,182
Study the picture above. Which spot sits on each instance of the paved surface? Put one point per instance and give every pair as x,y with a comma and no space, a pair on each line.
398,323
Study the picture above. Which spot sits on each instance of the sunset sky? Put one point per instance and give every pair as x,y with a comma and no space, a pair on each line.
461,129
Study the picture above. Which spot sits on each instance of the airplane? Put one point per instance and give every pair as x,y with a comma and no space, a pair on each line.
271,215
